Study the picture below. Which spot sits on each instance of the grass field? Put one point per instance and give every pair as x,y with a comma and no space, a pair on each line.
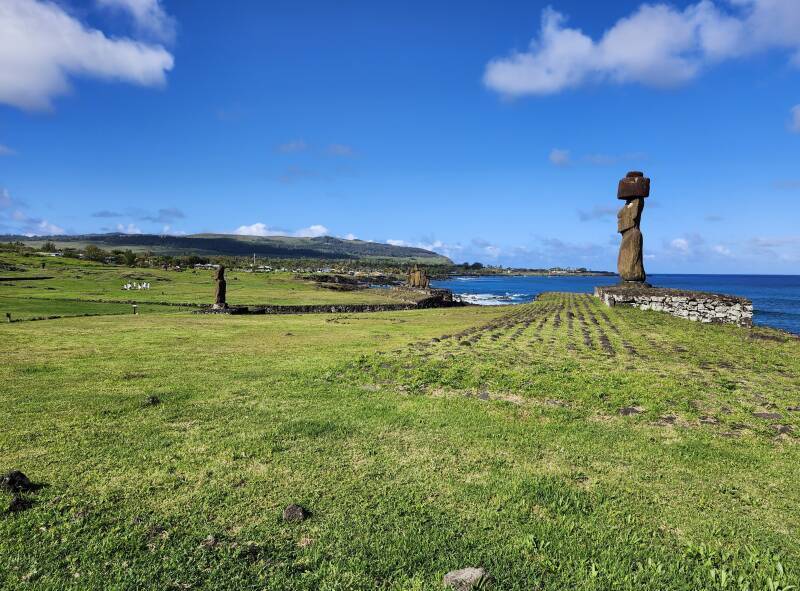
560,445
81,287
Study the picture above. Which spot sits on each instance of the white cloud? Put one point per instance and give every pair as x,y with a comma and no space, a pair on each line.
149,16
350,236
12,211
257,229
721,249
559,157
680,245
314,231
46,228
261,229
129,229
794,124
657,45
396,242
41,46
6,151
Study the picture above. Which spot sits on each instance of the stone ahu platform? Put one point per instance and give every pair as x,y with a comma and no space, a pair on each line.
699,306
434,298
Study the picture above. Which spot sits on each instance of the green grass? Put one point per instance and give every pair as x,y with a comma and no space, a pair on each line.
77,287
417,454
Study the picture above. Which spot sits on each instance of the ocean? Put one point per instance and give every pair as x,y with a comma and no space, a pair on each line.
776,298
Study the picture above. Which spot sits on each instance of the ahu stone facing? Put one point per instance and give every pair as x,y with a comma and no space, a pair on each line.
692,305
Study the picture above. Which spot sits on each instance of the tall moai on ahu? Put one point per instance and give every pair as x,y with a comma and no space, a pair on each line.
633,189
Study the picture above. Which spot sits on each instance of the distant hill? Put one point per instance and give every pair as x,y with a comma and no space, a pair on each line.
325,247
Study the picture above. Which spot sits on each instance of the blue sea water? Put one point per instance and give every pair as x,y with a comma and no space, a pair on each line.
776,298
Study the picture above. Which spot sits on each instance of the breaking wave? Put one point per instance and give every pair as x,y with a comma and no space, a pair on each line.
492,299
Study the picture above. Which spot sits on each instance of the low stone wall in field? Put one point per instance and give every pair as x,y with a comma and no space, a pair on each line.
435,298
692,305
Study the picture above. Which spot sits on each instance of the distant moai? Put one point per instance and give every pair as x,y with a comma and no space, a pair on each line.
418,278
633,189
219,292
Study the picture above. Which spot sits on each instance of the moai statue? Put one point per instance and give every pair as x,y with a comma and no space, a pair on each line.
418,278
219,292
632,189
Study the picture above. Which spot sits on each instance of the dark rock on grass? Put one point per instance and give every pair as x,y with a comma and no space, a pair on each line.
18,504
467,579
627,411
706,420
782,429
152,401
793,409
16,481
295,514
772,416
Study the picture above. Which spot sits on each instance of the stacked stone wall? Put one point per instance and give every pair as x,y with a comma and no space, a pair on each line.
691,305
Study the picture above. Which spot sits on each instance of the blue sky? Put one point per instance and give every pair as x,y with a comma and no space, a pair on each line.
486,131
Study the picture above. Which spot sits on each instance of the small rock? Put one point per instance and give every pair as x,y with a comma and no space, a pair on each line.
15,481
772,416
466,579
152,401
295,513
483,395
793,409
631,410
18,504
667,420
706,420
782,429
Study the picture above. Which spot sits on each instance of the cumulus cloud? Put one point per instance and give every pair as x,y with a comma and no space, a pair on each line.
149,16
257,229
559,157
261,229
42,46
680,246
128,229
314,231
350,236
657,45
14,217
722,250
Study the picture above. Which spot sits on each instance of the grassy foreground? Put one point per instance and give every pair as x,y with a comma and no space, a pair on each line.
561,445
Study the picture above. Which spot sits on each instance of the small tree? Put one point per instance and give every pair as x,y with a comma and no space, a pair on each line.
93,253
49,246
129,257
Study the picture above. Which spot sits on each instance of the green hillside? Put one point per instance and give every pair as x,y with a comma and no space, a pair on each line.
325,247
